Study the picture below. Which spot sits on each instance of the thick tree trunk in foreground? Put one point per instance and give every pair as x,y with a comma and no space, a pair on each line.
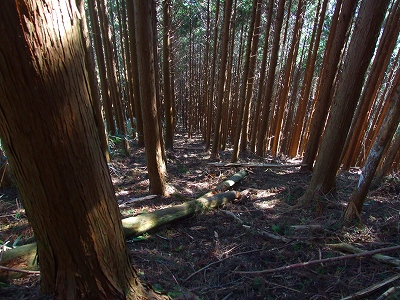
49,133
385,133
147,82
350,82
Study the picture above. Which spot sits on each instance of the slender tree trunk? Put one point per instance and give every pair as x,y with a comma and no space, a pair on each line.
111,68
242,95
361,49
135,99
222,77
94,87
250,79
169,116
210,103
105,90
306,87
288,75
386,132
69,199
262,78
264,122
152,139
206,74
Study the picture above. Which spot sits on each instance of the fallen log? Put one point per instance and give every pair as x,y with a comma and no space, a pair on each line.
142,223
24,257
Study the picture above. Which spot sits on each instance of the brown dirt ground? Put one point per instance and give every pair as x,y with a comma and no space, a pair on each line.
200,257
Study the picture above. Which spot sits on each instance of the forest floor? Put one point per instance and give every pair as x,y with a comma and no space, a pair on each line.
201,257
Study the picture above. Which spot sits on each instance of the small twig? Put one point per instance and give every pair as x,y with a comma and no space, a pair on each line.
131,200
233,255
320,261
232,215
20,271
227,296
308,227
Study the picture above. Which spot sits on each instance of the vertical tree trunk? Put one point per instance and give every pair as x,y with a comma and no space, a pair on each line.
111,68
306,87
105,90
361,49
94,87
210,103
389,125
60,170
135,99
250,78
222,77
243,90
169,116
147,82
288,75
263,125
261,84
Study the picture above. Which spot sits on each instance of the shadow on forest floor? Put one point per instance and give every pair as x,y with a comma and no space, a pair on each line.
202,255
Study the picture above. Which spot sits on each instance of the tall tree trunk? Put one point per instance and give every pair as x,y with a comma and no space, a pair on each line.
147,82
386,132
261,84
242,95
288,75
105,90
222,77
264,122
135,99
169,116
336,41
361,49
250,78
94,87
306,87
210,103
206,74
69,199
111,68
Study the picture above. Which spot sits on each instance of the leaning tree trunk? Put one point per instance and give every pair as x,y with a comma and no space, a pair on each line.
385,133
49,134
